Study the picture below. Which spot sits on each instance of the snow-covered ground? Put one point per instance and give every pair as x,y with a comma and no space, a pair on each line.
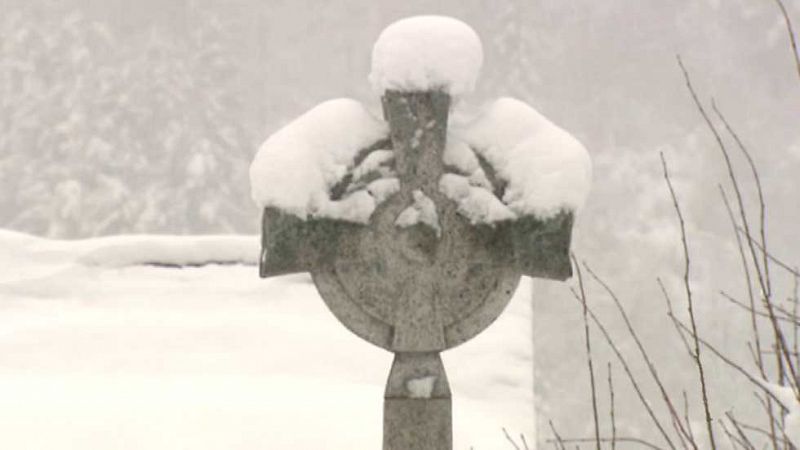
100,349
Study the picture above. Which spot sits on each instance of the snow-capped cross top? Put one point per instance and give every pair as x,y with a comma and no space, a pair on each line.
337,161
427,53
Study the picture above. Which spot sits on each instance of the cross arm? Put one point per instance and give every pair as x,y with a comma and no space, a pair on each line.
290,244
541,246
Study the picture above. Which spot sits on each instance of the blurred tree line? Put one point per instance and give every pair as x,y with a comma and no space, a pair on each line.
122,119
103,133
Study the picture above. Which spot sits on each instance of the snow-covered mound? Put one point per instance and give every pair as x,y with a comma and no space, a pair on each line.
424,53
23,256
213,357
543,168
296,168
178,251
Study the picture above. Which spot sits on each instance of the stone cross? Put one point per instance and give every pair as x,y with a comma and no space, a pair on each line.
409,290
416,290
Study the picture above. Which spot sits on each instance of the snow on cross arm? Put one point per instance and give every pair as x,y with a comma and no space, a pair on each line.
476,203
296,168
468,186
427,53
545,169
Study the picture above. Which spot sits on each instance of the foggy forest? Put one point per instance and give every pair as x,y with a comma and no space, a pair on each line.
131,120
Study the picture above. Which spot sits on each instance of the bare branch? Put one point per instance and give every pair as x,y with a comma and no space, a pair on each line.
676,419
753,322
739,431
729,361
686,414
588,340
795,330
761,203
728,165
558,439
785,266
792,39
763,283
690,304
612,411
524,442
671,313
735,442
758,353
628,373
508,438
753,428
765,432
618,439
785,318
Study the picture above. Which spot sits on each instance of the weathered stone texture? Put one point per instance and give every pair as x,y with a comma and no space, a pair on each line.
416,291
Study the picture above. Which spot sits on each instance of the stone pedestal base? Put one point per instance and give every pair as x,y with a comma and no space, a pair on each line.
417,424
417,409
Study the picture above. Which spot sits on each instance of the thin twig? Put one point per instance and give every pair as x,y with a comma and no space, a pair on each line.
778,423
671,312
786,318
741,433
754,428
650,366
757,354
524,442
792,39
612,411
794,315
772,352
604,439
728,165
784,265
628,372
728,361
763,282
690,304
558,439
762,206
753,322
588,340
738,368
508,438
734,440
763,431
686,414
764,253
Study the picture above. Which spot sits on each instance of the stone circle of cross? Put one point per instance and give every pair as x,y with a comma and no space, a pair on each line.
409,249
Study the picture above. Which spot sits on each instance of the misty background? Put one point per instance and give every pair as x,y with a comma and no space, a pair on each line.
142,117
